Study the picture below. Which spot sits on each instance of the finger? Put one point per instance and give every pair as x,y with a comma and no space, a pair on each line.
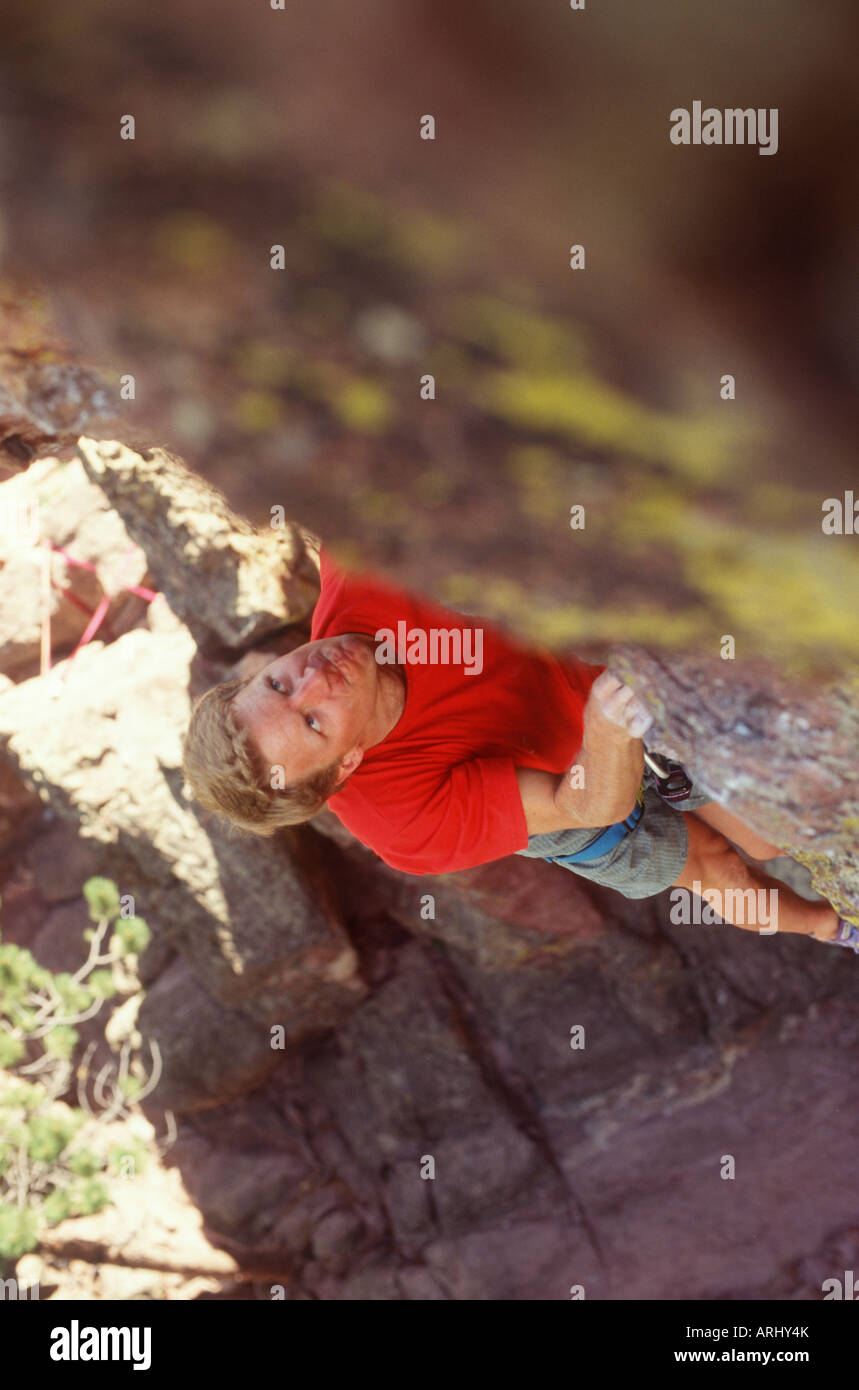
605,685
615,706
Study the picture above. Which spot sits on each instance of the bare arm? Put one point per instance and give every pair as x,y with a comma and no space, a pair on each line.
601,787
552,803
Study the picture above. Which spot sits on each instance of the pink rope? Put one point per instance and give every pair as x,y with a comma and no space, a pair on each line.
97,615
72,598
148,594
93,625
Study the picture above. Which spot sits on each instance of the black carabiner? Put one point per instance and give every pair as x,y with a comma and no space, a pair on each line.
673,782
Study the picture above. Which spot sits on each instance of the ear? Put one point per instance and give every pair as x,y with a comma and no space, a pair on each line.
348,764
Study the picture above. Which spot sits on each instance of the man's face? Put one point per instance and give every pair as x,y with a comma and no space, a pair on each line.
315,706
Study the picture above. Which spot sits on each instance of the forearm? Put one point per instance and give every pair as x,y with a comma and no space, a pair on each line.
602,785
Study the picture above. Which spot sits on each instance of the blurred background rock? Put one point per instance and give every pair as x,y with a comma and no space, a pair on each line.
257,127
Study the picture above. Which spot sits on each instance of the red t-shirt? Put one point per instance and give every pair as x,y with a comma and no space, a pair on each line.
440,792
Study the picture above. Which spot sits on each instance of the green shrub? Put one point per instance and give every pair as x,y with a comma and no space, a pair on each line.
54,1161
19,1228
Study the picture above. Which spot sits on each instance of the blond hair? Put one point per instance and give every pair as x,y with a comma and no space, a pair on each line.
226,773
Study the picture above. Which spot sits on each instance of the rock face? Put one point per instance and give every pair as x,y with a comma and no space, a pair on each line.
501,1084
784,759
46,398
101,741
48,406
92,557
250,583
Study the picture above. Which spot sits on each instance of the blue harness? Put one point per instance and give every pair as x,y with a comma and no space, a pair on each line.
603,843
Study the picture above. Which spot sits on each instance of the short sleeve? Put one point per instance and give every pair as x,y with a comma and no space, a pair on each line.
472,815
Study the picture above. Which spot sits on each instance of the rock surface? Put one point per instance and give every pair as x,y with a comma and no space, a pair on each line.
46,398
100,739
250,583
784,758
92,557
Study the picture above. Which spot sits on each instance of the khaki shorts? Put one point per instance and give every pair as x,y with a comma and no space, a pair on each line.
646,861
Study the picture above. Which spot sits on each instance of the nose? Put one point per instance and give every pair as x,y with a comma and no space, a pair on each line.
313,682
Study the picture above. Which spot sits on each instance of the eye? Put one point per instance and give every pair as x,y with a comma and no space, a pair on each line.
312,723
276,685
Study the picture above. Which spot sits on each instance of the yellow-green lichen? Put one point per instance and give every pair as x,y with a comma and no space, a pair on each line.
363,404
359,221
264,364
541,479
522,337
193,241
593,412
786,593
258,412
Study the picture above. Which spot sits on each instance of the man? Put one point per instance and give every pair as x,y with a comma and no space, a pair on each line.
443,746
